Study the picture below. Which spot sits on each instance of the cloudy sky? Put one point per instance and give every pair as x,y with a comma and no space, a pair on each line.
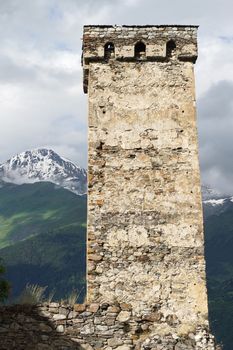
41,98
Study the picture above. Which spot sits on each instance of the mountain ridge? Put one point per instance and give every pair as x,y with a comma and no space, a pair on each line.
42,164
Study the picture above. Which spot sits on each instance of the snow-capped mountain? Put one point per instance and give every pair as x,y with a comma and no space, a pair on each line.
44,165
209,193
214,202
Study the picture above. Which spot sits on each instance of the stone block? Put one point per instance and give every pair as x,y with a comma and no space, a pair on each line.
115,342
60,328
124,316
93,307
79,307
58,317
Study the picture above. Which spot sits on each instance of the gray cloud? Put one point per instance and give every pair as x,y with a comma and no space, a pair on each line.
215,133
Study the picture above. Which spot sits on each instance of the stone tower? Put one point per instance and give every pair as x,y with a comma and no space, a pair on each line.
145,225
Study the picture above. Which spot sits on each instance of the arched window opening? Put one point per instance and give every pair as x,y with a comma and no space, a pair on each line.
140,50
170,48
109,50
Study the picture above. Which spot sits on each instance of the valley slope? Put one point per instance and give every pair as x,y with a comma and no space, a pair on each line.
218,225
44,237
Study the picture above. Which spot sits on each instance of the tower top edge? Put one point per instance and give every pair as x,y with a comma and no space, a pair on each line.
141,26
147,43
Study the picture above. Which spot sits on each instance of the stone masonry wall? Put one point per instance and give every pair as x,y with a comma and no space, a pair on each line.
145,226
88,327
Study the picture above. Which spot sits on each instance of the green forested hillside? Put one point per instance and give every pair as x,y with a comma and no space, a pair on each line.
42,237
30,209
54,259
219,261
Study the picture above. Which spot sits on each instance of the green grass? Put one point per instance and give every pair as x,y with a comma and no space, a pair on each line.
30,209
8,225
50,214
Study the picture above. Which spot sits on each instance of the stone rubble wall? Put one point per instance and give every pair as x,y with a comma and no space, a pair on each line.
90,327
145,231
145,225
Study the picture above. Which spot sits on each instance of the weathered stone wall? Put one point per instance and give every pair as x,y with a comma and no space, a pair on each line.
125,37
88,327
144,213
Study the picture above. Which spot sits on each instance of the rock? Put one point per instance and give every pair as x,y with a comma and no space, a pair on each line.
85,314
113,309
125,307
144,326
97,320
45,313
60,328
78,320
87,329
72,314
91,266
15,326
44,337
100,202
101,328
110,321
99,345
124,316
53,304
95,257
63,311
153,317
45,328
93,308
123,347
58,317
87,347
79,307
115,342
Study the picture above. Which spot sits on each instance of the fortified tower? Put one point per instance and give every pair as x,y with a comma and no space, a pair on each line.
145,225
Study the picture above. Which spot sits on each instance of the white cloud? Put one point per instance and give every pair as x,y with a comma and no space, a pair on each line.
215,62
